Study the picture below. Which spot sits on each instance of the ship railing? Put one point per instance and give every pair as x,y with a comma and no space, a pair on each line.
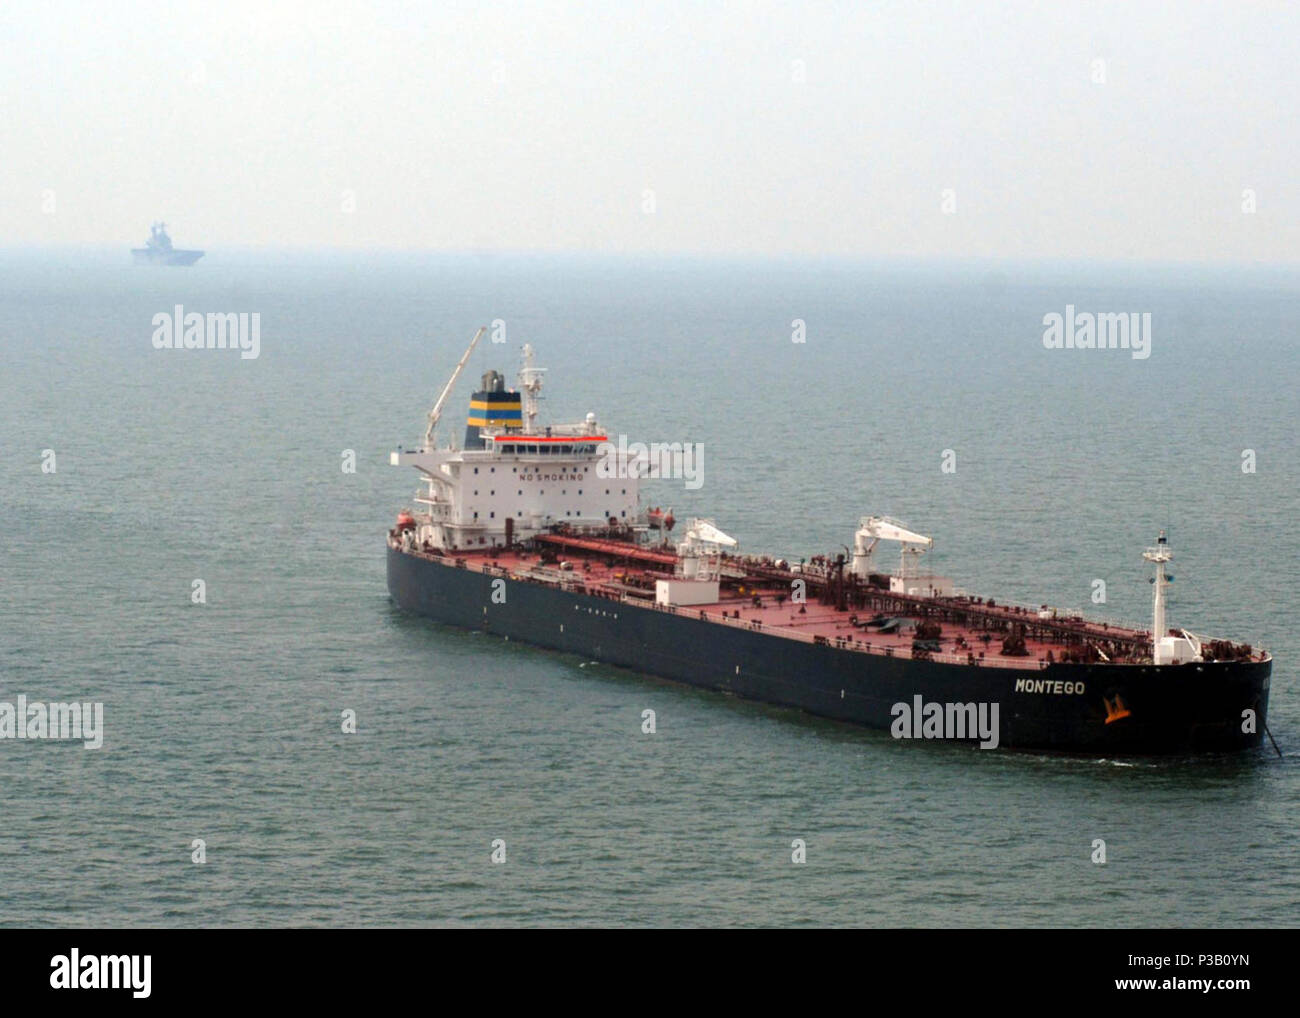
1030,611
571,581
1028,662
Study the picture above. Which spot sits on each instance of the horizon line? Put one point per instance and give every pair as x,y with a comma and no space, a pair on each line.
687,255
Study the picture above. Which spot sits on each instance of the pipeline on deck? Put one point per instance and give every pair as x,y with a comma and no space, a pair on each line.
616,549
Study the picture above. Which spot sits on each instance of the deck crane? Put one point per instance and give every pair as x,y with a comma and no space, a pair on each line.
699,552
874,529
436,412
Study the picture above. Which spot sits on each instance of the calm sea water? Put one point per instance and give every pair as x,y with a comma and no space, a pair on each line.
223,720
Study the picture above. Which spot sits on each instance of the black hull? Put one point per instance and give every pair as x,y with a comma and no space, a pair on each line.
1173,709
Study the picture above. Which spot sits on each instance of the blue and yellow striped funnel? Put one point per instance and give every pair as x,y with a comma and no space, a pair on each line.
492,406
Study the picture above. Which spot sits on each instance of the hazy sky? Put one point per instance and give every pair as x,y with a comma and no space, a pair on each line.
801,128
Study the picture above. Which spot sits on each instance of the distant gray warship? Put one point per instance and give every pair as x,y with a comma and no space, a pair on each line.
158,250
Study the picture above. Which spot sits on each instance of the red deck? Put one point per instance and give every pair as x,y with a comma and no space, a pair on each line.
630,580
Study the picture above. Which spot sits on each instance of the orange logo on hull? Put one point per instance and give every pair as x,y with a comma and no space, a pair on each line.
1116,711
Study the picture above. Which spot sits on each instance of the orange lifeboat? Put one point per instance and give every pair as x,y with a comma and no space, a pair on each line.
659,519
405,521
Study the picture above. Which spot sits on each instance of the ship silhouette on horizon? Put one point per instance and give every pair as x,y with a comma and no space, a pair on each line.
158,250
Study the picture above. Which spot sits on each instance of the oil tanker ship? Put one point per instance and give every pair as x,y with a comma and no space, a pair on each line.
536,533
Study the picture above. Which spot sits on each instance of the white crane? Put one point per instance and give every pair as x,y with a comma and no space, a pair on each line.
700,549
704,532
874,529
436,412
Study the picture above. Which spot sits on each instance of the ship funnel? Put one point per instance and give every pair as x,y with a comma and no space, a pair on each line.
492,407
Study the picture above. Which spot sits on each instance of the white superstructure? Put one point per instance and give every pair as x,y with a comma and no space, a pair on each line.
514,478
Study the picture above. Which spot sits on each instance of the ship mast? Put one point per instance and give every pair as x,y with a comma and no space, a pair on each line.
436,412
1159,555
530,383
